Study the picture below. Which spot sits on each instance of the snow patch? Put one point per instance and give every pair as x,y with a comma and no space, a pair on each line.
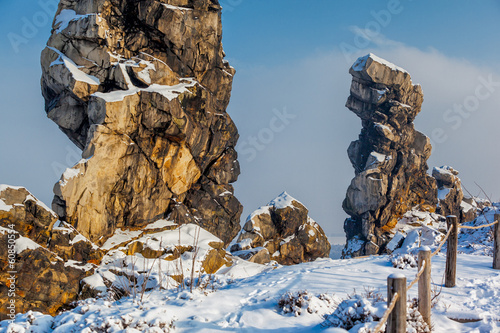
69,174
4,206
377,157
169,92
96,282
23,243
282,201
225,193
75,71
119,237
360,63
383,127
160,224
443,193
65,17
176,7
78,265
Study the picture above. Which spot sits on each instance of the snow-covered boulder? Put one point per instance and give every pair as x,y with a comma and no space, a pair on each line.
46,259
284,230
450,195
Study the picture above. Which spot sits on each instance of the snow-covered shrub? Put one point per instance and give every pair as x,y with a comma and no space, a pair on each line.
357,309
93,316
414,321
403,261
302,302
364,311
478,241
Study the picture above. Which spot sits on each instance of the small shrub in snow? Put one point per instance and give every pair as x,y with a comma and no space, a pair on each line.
403,261
414,321
357,309
363,311
302,302
93,316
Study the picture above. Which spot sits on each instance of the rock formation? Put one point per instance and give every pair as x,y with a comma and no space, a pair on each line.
389,158
142,88
46,264
163,255
450,195
41,260
281,231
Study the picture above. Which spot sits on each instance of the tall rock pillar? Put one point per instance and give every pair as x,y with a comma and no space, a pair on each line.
142,88
389,158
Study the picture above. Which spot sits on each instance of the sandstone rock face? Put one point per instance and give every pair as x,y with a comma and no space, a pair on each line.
389,158
49,258
142,88
281,231
451,199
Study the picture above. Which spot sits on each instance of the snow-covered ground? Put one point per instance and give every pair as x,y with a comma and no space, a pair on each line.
248,297
250,304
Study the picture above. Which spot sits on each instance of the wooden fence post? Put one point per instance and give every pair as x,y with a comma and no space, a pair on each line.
451,252
396,323
424,284
496,244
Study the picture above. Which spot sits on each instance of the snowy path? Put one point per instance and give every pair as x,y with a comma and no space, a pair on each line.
250,305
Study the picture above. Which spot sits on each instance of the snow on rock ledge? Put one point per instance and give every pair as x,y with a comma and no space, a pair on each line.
165,258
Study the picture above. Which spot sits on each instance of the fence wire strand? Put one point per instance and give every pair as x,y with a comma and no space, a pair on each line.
387,312
442,242
477,227
417,277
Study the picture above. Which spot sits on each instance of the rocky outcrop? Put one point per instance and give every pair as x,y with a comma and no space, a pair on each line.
164,255
41,260
389,158
281,231
451,199
46,264
142,88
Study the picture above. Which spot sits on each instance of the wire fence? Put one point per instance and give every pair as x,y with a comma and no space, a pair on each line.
398,321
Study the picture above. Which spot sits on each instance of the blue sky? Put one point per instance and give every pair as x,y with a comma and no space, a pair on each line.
273,32
292,57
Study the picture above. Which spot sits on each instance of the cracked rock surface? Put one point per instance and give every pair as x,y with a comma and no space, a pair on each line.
389,157
142,88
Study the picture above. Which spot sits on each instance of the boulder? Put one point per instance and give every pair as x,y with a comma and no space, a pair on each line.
41,260
389,158
30,217
281,231
142,88
451,199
